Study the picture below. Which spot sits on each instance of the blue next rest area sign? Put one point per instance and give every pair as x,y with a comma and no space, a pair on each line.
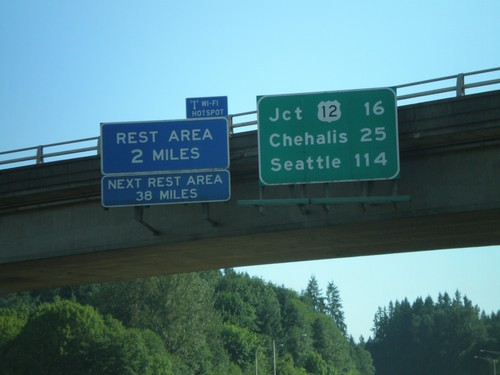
165,188
160,146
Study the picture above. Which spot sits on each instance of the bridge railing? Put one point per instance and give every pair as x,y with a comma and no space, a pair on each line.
50,152
421,91
457,85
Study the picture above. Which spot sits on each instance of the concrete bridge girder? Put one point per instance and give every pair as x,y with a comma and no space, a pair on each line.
55,232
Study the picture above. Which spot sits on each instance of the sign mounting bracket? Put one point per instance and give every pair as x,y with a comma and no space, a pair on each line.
206,214
139,217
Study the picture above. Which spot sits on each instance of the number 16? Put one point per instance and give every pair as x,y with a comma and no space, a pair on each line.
376,110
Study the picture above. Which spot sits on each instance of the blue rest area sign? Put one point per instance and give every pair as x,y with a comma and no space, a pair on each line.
161,146
165,188
215,106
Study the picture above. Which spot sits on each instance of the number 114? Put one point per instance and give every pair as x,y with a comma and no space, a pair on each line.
364,160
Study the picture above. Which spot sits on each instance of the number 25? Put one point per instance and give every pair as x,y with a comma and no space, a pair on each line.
380,134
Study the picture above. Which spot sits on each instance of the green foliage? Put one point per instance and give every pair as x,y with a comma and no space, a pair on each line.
208,323
492,324
134,351
286,366
56,339
241,344
429,338
248,302
65,337
225,323
362,358
10,326
178,308
331,345
334,307
313,295
315,364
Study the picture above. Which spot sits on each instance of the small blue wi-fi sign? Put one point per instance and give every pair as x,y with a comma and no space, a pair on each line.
215,106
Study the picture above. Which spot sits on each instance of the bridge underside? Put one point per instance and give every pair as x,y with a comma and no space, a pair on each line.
443,231
54,231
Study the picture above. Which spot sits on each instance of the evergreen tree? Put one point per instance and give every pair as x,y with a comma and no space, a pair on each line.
331,344
334,307
492,324
313,295
428,338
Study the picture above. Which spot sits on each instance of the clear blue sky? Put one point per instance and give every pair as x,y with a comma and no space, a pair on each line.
67,66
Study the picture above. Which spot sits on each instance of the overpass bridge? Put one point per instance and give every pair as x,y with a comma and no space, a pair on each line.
55,232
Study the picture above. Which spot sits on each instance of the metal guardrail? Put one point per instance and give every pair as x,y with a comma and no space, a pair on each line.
458,87
452,84
39,154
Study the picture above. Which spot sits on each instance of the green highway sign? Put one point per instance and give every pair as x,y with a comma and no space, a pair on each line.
328,137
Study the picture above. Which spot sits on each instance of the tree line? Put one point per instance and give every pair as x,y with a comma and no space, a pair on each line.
220,322
450,336
226,322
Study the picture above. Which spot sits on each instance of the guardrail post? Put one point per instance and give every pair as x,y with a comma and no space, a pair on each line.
230,124
460,85
99,145
39,155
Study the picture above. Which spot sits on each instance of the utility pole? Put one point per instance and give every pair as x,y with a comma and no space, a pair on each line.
489,359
